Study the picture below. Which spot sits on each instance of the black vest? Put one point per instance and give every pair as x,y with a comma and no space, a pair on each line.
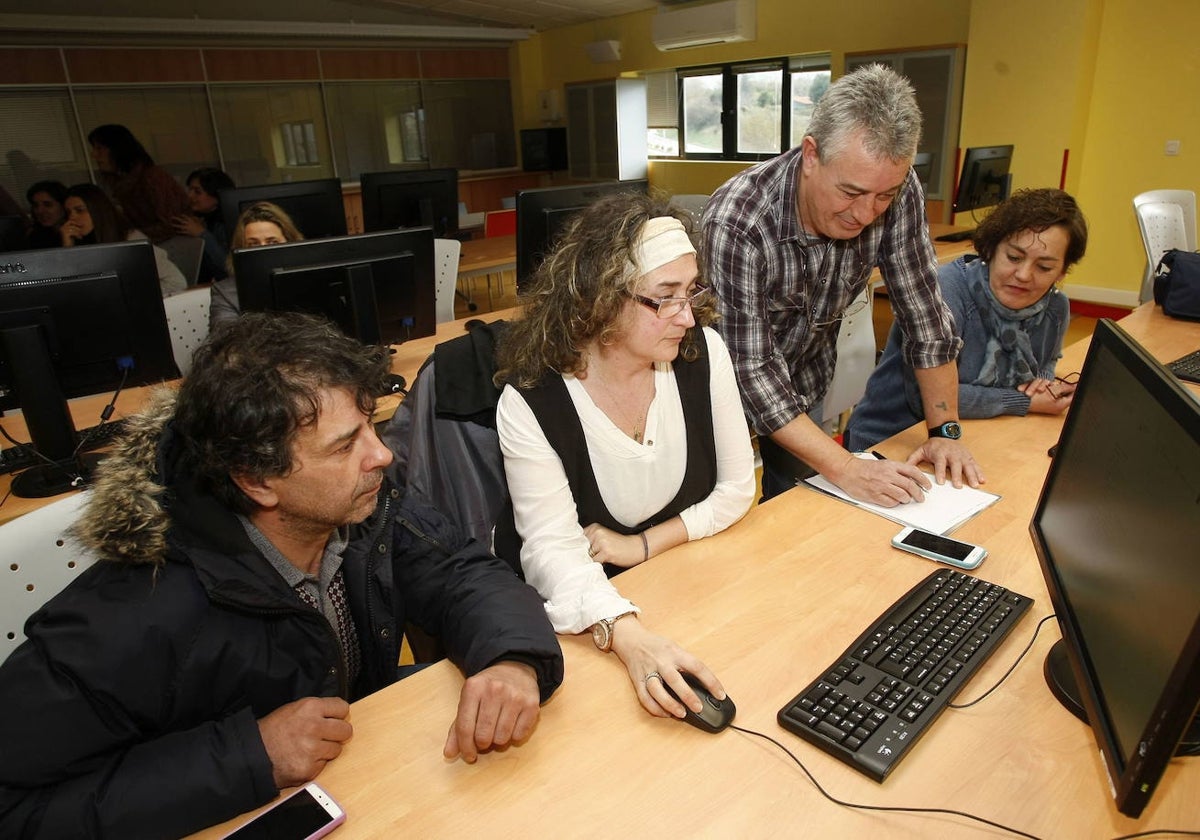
551,405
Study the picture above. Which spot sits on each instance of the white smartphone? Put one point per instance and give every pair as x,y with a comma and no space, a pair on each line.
307,814
942,549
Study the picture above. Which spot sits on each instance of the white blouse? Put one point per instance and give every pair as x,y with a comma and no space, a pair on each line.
635,480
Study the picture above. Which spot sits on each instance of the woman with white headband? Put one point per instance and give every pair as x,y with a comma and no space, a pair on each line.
622,430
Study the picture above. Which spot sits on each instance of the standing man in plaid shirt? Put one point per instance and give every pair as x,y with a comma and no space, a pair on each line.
790,243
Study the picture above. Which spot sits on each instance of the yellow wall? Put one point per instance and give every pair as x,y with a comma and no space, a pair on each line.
1147,75
1109,80
784,27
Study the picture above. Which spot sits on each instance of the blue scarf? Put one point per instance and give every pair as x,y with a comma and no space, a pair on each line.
1008,356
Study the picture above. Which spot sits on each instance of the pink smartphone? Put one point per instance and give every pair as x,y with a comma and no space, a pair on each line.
306,814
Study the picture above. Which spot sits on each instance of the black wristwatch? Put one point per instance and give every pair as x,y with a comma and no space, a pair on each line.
950,430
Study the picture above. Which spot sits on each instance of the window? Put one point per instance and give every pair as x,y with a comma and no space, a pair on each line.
272,134
376,126
734,111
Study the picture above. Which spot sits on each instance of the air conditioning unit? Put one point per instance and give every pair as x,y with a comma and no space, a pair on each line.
678,27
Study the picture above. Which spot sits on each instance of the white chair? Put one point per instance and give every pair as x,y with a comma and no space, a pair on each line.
187,252
692,204
445,257
855,359
187,318
1166,219
37,559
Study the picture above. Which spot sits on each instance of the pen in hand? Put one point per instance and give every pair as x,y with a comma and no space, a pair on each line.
878,455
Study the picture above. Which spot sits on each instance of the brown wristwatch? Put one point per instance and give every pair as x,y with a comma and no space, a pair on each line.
602,631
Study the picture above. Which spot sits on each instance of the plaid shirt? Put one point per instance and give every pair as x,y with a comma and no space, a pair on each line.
781,293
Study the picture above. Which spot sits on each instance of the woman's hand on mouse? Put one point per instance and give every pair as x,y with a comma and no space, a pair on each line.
646,654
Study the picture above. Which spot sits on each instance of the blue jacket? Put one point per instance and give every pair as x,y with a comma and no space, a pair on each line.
892,402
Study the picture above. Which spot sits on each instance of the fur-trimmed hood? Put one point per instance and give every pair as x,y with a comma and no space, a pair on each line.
125,519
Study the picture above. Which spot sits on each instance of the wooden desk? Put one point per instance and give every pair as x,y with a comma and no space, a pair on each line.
768,604
406,361
487,256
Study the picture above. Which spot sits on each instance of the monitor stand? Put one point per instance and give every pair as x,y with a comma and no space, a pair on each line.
1060,678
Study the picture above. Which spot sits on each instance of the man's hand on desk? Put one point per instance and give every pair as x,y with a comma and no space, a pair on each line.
497,706
303,736
951,460
884,483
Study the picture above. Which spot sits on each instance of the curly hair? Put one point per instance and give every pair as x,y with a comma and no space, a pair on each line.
875,100
579,292
254,383
1034,210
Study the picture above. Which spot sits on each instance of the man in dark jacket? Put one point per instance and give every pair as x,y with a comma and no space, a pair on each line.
257,569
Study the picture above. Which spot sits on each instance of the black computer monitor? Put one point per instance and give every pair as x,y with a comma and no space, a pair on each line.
923,166
542,215
1116,531
316,206
544,149
74,322
984,180
377,287
14,233
411,198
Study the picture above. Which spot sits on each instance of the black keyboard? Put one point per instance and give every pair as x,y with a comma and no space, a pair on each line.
1186,367
955,236
872,705
17,458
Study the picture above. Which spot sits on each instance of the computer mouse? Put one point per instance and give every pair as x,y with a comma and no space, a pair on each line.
394,383
717,714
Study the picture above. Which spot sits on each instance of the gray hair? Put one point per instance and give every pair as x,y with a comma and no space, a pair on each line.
875,100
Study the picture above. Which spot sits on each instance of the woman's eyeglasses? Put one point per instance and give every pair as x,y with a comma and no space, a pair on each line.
668,307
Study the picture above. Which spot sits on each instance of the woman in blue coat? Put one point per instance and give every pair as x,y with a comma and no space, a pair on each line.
1008,311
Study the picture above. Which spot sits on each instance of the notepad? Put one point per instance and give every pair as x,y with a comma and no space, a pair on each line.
944,509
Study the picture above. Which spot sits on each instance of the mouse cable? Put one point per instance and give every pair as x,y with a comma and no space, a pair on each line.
105,414
1007,673
896,808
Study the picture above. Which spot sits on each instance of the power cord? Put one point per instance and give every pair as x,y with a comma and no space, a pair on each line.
949,811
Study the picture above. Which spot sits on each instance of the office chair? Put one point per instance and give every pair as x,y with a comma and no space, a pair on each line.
187,252
693,205
1166,219
445,257
37,559
187,319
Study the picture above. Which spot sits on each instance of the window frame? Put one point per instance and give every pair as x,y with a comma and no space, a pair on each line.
729,73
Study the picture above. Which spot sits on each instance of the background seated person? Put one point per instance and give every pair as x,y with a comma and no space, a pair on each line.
262,223
46,208
1009,313
257,566
621,427
147,194
205,220
92,218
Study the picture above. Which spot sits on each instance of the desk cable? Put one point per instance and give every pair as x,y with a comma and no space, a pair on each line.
949,811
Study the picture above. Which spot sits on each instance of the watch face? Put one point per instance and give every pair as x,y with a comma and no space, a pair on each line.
601,634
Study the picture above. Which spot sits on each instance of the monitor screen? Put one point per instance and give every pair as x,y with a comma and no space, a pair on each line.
542,215
377,287
1116,530
420,198
316,207
544,149
75,322
923,166
984,180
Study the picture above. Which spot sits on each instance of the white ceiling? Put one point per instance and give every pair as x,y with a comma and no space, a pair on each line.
536,15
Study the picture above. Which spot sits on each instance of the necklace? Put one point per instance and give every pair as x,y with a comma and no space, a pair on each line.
640,423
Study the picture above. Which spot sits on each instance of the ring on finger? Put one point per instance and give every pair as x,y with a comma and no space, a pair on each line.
651,676
593,551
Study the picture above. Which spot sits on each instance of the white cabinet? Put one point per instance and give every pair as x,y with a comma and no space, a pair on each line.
606,130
